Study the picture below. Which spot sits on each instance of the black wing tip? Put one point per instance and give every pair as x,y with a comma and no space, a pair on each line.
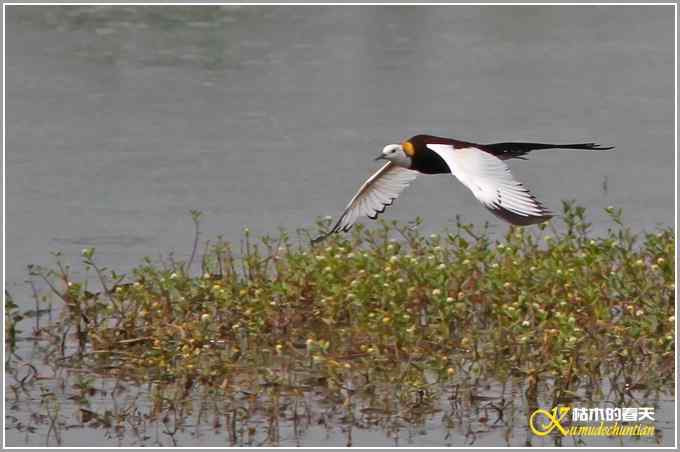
521,220
335,229
531,220
377,212
346,228
320,238
325,235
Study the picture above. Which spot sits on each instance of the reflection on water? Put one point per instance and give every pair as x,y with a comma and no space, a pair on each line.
287,406
120,119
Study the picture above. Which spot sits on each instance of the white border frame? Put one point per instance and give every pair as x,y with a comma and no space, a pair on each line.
4,165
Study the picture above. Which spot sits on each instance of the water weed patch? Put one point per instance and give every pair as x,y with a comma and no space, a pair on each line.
381,328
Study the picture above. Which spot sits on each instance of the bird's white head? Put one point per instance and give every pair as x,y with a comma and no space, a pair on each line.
395,153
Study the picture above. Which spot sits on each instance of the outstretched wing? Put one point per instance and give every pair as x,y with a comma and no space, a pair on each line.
516,150
490,181
378,192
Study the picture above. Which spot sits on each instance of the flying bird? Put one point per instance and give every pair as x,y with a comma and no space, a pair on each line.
479,167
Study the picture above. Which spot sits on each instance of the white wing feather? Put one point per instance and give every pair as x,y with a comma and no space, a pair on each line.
378,192
490,181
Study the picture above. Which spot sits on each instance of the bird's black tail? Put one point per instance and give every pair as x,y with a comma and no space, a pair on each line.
518,150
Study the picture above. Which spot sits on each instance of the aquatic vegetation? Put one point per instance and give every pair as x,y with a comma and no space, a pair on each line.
386,325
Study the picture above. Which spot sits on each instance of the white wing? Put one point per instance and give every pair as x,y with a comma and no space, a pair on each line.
490,181
378,192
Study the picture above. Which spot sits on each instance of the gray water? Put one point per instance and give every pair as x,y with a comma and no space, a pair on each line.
121,119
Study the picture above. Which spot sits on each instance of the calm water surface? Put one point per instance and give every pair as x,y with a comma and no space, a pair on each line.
122,119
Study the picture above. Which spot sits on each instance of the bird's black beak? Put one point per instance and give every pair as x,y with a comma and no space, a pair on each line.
380,157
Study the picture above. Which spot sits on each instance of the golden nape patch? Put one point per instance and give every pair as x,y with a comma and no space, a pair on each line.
408,148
